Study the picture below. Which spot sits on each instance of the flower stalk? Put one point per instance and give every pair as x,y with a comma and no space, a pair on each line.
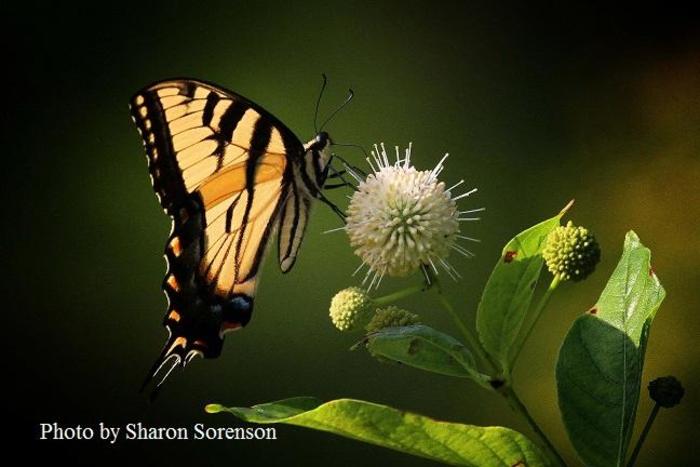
516,404
643,436
527,329
471,340
396,296
666,392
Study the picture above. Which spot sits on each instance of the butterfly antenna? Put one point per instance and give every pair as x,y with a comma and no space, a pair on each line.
356,146
164,364
351,94
318,101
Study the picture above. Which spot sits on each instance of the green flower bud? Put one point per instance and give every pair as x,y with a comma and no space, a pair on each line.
571,252
666,391
391,316
349,308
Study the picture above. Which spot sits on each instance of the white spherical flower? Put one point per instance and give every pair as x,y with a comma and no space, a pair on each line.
401,219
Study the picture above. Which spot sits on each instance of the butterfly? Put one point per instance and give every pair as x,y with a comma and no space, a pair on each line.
228,173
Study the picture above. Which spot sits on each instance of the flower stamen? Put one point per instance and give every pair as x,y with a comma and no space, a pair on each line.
465,195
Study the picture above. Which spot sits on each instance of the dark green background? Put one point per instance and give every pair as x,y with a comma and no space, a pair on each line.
536,104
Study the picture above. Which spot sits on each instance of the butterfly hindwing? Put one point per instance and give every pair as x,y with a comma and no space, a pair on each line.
294,216
222,169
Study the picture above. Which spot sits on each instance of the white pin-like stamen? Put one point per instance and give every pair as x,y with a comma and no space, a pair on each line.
462,250
446,264
381,276
370,164
358,268
448,269
352,173
473,210
469,238
438,168
369,271
433,265
338,229
464,195
455,186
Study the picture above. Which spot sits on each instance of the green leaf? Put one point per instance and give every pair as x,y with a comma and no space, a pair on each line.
451,443
423,347
600,363
509,291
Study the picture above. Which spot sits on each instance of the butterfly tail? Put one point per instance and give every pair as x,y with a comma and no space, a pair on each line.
166,362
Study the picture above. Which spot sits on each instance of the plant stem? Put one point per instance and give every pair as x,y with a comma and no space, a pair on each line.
509,393
525,334
393,297
643,436
472,342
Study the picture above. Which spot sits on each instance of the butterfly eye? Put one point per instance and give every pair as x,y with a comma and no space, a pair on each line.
323,139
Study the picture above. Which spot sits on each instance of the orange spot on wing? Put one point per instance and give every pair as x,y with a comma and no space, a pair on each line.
175,316
179,342
175,246
172,282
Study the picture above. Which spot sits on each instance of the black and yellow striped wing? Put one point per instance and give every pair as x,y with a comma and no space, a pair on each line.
294,215
222,169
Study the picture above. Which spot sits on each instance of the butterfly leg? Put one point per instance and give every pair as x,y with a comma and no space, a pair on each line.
335,185
344,183
335,208
353,168
336,174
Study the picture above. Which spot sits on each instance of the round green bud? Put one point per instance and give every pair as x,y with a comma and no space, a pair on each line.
571,252
391,316
349,307
666,391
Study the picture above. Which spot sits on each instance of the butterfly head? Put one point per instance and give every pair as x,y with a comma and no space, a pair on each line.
323,142
318,156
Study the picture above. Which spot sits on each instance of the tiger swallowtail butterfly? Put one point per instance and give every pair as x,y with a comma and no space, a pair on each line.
228,173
